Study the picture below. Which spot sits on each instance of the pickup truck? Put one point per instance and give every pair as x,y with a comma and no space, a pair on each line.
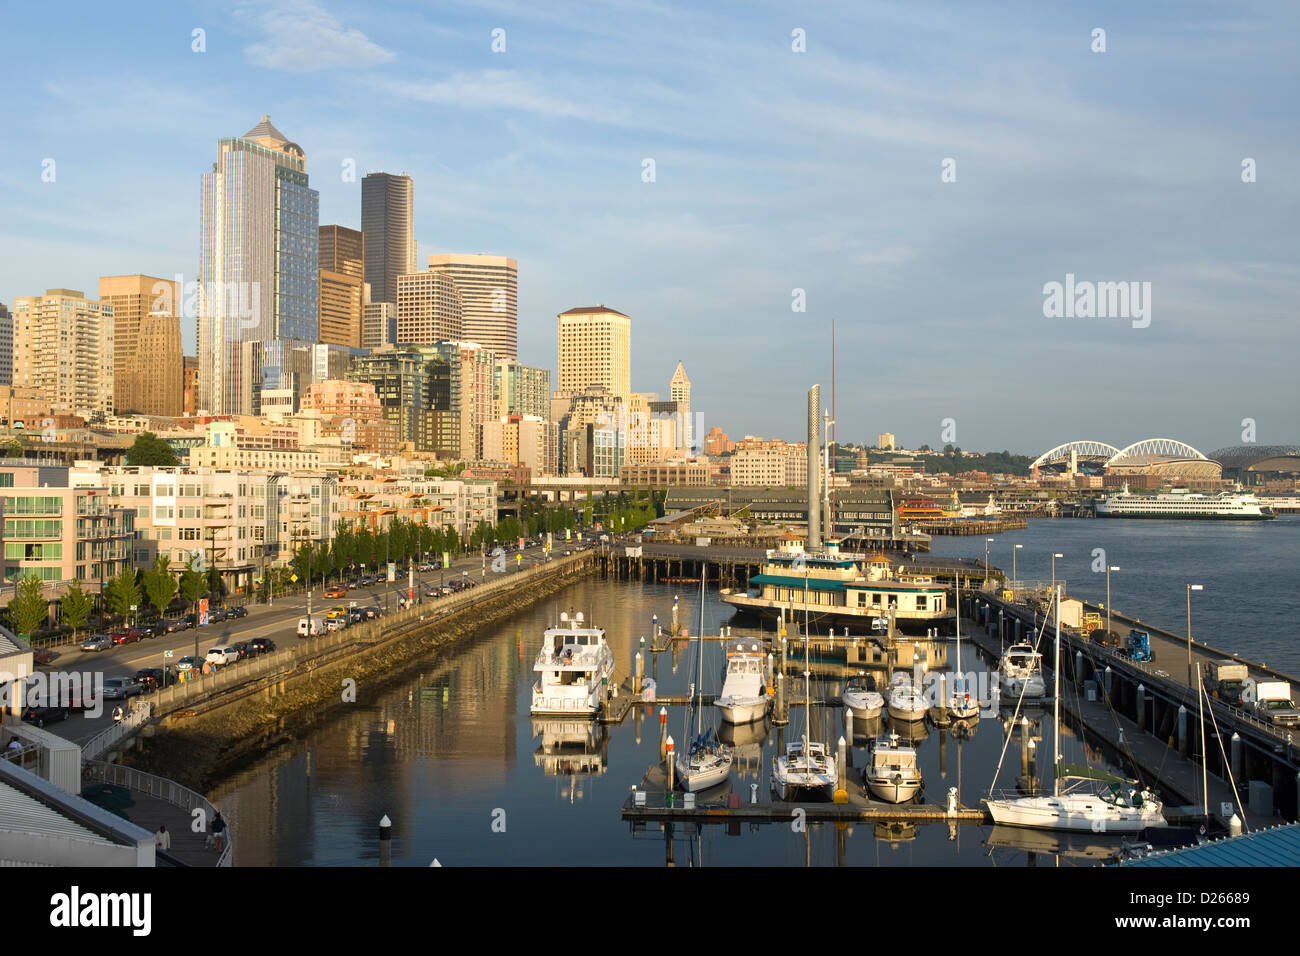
1273,703
1226,680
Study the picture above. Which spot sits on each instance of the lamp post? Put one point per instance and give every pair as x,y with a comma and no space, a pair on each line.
987,542
1190,589
1014,576
1055,555
1109,568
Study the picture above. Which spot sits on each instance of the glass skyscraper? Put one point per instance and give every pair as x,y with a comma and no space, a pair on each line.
258,269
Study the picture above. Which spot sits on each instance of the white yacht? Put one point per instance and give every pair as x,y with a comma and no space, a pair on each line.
1022,672
861,697
1107,812
744,699
906,700
574,664
893,774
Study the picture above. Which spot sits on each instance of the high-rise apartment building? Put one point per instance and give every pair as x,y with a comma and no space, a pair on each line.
520,389
387,220
378,324
6,346
148,362
428,309
402,382
258,266
489,299
190,388
595,348
885,441
342,272
466,394
63,347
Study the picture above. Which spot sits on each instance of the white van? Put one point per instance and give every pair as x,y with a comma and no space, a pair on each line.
311,626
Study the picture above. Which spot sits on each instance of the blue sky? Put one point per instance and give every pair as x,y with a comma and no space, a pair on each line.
774,171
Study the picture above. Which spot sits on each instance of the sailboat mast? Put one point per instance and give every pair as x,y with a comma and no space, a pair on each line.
699,653
1056,699
807,670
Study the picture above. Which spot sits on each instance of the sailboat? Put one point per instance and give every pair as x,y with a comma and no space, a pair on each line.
706,762
806,769
960,703
1108,812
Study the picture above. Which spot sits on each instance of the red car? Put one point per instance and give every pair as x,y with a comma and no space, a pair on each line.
42,655
128,636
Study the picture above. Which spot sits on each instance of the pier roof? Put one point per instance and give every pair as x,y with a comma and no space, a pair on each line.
1277,846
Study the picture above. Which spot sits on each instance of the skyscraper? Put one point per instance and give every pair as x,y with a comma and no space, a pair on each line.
342,267
63,346
258,269
6,346
387,220
428,308
489,299
148,364
679,391
595,348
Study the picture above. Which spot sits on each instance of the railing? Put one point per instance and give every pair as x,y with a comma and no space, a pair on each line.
136,718
169,791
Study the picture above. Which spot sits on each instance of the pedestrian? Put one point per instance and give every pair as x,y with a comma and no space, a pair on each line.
218,831
162,839
14,748
117,714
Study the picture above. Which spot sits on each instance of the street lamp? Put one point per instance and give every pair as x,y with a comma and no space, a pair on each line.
1055,555
1014,576
1109,568
987,542
1190,589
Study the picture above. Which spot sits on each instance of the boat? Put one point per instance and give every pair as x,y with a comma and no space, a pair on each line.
906,701
1022,672
1182,504
805,770
960,704
706,761
893,774
744,699
861,697
1110,811
575,663
844,590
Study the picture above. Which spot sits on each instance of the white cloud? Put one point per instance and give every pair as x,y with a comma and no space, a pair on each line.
503,89
301,37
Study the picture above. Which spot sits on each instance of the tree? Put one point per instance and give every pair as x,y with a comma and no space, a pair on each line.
122,592
29,609
149,449
76,606
159,584
191,583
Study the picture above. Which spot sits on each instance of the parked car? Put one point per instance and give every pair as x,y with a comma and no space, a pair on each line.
120,688
97,642
187,663
222,654
311,626
242,648
333,624
337,591
183,623
372,611
238,611
40,716
128,635
150,678
151,629
42,655
261,645
356,615
217,614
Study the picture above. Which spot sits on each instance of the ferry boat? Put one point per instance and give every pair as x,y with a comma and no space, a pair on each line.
831,588
1182,504
744,699
573,663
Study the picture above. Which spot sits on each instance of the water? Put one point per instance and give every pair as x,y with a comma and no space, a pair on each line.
452,756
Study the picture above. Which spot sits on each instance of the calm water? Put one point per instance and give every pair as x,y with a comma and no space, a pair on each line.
453,754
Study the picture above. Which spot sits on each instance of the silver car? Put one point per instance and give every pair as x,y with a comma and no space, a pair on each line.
97,642
119,688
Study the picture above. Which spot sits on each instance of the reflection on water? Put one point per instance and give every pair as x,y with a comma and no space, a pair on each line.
445,754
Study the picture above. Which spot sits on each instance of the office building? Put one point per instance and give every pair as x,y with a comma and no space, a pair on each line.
387,222
885,441
148,372
488,287
428,309
595,348
258,266
521,389
63,348
341,258
379,324
6,346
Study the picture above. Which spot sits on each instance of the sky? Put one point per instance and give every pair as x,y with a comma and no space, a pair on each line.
915,173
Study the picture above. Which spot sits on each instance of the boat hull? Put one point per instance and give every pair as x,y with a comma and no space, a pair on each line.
894,791
866,706
701,778
1075,814
742,710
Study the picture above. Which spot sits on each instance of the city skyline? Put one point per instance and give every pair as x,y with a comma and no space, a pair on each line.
773,171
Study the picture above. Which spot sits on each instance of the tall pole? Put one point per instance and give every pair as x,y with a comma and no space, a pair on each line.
1109,568
814,469
1190,589
1014,576
1200,714
1055,555
1056,699
987,542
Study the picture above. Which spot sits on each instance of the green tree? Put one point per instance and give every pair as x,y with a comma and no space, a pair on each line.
122,592
76,606
191,583
29,609
160,584
149,449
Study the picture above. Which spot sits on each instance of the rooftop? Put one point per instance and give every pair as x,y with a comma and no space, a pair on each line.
594,310
1277,846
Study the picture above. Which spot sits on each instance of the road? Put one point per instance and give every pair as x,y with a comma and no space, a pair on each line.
278,621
